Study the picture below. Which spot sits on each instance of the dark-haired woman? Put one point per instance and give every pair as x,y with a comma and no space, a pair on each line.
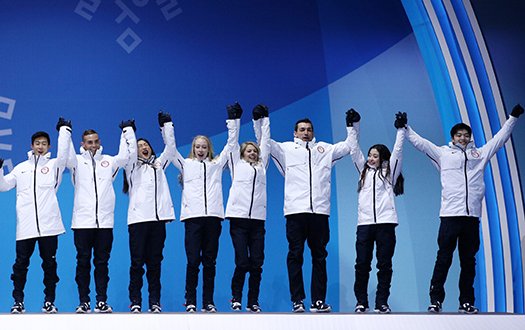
150,208
380,179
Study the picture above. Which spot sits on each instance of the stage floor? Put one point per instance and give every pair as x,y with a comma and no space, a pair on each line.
245,321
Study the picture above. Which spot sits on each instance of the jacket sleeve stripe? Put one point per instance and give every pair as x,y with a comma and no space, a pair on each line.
56,178
279,163
435,161
232,167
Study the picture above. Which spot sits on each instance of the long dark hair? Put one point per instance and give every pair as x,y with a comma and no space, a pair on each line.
384,156
125,184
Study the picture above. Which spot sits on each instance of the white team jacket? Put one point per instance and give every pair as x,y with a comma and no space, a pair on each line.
202,181
93,176
149,193
376,198
36,181
461,170
247,197
307,168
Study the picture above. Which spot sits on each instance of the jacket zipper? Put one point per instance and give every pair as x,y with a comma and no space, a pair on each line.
253,192
374,196
466,181
310,172
94,164
34,195
156,209
205,197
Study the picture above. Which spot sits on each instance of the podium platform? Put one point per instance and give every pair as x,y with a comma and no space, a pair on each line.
246,321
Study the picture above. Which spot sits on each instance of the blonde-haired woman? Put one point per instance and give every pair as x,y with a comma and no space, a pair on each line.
202,210
246,210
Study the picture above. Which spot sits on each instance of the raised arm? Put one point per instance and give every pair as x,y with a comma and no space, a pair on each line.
235,150
178,159
127,151
261,127
352,123
275,148
71,163
342,148
428,148
278,155
494,144
168,136
396,157
232,123
64,142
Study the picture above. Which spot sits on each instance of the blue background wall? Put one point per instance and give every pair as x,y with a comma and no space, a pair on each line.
99,62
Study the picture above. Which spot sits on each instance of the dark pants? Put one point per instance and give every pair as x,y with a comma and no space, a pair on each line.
99,241
463,231
47,247
384,236
248,242
146,242
314,229
202,245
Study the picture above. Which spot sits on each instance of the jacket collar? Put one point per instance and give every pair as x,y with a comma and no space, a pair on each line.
30,156
205,160
87,153
252,164
151,161
470,145
304,144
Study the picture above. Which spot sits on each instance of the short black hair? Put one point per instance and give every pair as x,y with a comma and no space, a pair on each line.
40,134
304,120
459,127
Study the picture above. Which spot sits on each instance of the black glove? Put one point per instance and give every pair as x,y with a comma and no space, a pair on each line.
1,162
517,111
260,111
164,118
352,117
63,122
401,120
234,111
126,123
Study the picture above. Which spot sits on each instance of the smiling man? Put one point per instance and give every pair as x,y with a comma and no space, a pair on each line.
461,166
307,166
93,173
38,218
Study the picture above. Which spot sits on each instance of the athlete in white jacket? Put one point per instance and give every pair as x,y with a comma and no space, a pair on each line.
93,174
380,180
461,166
246,209
150,208
38,216
307,168
202,211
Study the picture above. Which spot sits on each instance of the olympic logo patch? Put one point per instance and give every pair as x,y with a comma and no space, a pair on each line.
320,149
44,170
104,163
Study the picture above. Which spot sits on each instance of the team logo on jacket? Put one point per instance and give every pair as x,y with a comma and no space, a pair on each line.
104,163
474,153
44,170
320,149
